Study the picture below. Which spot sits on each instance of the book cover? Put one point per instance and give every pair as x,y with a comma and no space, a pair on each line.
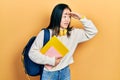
52,52
54,48
57,44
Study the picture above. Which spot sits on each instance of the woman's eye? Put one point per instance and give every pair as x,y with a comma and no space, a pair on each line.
64,16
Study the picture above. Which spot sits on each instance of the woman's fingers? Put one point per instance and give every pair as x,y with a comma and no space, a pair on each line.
57,61
75,15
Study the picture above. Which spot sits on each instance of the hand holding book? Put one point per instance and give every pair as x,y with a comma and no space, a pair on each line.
52,52
57,61
54,48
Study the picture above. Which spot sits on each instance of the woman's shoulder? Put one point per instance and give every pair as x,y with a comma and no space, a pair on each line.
41,32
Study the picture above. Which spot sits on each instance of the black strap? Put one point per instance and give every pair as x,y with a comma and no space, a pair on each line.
46,39
46,36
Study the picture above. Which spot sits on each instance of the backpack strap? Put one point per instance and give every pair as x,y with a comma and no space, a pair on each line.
46,36
46,39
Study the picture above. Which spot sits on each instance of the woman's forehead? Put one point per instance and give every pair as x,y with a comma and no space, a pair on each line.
66,11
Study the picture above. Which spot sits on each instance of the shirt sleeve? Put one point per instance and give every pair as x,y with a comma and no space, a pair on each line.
36,56
88,32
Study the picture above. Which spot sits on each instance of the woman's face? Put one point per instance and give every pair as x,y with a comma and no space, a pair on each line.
65,20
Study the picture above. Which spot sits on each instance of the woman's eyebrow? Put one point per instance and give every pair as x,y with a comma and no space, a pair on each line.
66,13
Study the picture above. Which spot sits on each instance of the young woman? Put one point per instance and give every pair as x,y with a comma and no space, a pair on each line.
70,37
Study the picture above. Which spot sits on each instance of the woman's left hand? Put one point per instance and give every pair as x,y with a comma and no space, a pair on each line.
75,15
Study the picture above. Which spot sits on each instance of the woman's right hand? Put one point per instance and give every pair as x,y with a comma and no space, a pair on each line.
75,15
57,60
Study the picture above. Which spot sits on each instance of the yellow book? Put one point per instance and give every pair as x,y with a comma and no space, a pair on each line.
57,44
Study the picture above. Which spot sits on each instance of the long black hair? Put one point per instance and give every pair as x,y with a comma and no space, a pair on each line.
56,19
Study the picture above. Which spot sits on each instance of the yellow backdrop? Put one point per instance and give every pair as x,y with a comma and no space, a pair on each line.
97,59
